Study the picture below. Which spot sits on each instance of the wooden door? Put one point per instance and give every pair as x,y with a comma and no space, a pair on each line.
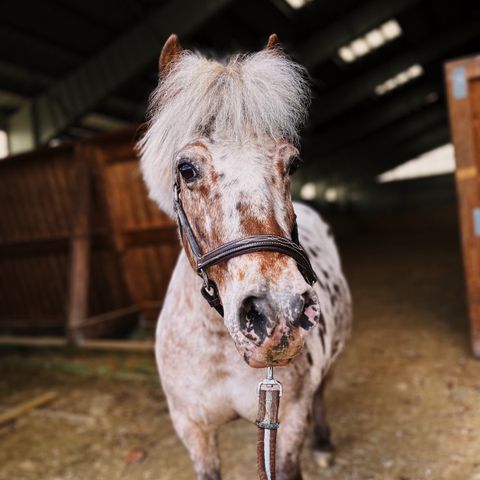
463,86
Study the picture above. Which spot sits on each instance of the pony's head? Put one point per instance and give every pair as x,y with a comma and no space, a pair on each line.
227,131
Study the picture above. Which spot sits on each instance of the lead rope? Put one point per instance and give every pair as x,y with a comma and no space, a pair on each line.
269,392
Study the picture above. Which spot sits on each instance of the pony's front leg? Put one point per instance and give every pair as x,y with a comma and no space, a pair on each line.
201,443
291,435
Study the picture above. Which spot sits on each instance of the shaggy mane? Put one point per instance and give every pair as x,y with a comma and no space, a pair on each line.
261,94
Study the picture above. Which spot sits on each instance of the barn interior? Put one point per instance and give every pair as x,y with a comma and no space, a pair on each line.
390,155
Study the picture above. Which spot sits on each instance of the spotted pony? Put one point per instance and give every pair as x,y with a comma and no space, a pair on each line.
228,130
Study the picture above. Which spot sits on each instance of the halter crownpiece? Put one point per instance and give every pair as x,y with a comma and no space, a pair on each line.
235,248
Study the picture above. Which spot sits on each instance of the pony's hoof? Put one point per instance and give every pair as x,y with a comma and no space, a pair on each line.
323,459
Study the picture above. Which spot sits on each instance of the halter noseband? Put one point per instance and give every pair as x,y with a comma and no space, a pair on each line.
235,248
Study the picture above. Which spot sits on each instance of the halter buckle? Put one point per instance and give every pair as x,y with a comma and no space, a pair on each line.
269,384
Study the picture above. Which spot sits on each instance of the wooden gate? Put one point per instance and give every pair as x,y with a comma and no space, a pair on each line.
463,85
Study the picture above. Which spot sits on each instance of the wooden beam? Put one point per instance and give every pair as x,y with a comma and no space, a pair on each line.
109,316
138,237
47,246
132,237
25,407
56,342
80,245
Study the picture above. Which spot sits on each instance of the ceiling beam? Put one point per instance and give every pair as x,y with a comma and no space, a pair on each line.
73,96
414,192
24,80
385,111
359,155
424,142
324,44
35,49
340,99
99,121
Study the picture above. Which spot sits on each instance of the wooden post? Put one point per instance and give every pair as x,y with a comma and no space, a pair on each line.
463,85
80,245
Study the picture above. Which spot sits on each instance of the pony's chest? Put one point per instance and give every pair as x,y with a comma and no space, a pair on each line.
210,372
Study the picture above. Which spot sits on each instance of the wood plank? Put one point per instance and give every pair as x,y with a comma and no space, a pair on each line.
57,342
80,246
145,236
463,109
25,407
108,316
35,247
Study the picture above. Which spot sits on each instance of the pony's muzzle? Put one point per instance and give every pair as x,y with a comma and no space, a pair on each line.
273,327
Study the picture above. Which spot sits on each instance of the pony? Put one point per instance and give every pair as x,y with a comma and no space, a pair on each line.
227,132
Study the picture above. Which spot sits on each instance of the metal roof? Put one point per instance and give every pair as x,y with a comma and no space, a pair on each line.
90,65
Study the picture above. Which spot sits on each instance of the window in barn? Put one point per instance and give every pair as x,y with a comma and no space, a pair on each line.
372,40
438,161
3,144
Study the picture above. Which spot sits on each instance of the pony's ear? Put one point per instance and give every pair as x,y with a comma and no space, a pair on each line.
273,42
170,54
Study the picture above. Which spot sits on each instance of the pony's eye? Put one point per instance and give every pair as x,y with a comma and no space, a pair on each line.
187,171
294,164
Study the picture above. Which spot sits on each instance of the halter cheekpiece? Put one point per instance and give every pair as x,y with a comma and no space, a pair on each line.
235,248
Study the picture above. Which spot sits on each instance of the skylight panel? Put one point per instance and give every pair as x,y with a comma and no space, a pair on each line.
391,30
372,40
360,47
407,75
347,54
375,38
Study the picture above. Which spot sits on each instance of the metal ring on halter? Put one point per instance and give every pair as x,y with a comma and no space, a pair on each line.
204,276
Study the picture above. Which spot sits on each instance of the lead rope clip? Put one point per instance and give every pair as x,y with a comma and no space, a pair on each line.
269,392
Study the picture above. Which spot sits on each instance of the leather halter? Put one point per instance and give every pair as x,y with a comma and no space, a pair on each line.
234,248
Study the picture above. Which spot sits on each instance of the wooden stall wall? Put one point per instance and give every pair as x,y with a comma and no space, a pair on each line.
144,238
463,85
36,208
83,251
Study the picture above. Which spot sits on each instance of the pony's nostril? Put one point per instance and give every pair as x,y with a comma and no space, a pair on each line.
304,311
296,306
252,311
253,320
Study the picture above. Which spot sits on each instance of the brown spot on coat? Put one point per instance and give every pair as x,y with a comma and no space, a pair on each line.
198,143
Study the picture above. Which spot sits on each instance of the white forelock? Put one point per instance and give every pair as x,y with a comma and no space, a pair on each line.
247,96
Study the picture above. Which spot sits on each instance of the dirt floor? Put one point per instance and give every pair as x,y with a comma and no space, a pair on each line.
404,403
